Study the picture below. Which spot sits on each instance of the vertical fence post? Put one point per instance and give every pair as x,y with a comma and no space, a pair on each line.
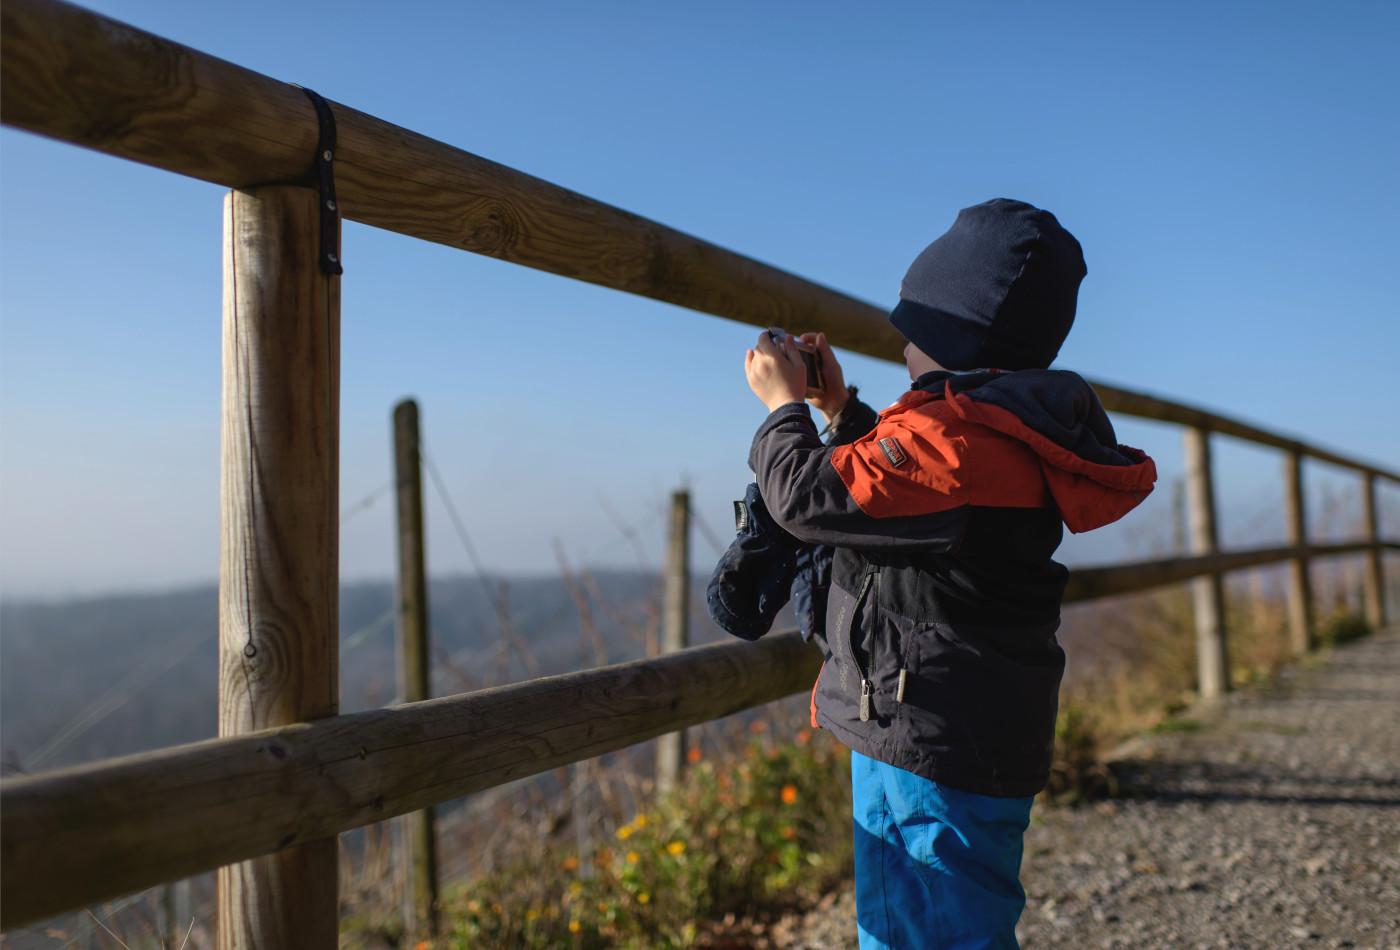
1375,572
675,630
1300,595
418,832
1212,660
279,535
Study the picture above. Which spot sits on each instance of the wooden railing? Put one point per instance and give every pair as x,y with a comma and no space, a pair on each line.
265,801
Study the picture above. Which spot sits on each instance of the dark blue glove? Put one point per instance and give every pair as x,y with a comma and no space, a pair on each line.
762,569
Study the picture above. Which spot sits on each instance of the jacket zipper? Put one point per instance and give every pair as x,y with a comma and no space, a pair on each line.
851,642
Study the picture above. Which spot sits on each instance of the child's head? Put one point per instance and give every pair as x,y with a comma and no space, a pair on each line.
999,289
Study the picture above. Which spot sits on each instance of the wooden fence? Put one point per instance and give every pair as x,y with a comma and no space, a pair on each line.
265,801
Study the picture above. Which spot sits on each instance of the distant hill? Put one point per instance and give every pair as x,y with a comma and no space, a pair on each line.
96,677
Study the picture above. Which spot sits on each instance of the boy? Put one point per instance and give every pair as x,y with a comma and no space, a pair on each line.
942,672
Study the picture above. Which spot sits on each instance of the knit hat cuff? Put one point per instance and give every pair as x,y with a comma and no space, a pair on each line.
958,344
952,341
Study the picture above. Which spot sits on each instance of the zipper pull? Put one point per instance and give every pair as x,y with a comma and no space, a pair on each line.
865,700
899,692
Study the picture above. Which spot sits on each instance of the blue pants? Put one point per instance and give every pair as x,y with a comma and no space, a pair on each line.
935,867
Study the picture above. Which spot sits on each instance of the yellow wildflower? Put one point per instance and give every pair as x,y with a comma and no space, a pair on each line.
640,821
575,888
631,857
643,898
676,847
624,832
575,926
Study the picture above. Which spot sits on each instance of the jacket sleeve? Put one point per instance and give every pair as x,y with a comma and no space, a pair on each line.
809,497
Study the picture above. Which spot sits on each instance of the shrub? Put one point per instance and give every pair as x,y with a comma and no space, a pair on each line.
1342,627
771,825
1077,773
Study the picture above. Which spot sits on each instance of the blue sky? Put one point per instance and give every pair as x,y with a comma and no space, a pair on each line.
1228,168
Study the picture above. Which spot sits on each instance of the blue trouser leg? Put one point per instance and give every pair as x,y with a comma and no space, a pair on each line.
935,867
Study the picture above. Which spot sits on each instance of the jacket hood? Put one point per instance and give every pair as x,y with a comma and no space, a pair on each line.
1094,479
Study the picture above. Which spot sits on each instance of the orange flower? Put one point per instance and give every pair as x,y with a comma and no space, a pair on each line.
422,945
575,926
571,863
788,832
789,794
758,725
693,754
804,736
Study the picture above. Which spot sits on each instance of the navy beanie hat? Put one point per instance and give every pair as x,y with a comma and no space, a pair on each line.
998,290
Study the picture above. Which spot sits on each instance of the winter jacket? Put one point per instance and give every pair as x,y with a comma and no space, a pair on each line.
944,511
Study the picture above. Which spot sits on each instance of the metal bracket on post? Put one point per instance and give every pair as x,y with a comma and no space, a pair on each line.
325,183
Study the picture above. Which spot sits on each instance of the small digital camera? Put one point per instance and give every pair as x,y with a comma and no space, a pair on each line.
811,359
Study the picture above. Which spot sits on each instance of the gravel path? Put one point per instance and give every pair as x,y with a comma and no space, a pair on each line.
1275,823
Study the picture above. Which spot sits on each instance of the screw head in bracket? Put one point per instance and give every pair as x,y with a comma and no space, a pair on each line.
326,155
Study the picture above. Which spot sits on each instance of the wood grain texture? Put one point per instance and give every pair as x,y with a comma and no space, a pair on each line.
1208,591
92,81
675,629
75,836
1093,583
279,560
72,75
419,833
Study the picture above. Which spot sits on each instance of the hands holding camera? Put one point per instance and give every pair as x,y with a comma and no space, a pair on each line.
778,374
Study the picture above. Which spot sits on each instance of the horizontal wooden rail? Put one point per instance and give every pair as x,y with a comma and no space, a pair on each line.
81,78
79,835
75,836
1092,583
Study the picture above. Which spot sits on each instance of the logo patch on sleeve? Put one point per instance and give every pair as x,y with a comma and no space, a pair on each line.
893,452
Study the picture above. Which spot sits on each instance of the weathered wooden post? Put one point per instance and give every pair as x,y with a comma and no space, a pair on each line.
1375,568
1212,659
279,535
1300,595
419,835
675,630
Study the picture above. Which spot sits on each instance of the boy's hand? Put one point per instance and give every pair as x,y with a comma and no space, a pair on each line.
775,373
833,398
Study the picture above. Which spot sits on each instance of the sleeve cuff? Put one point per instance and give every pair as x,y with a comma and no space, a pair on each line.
785,412
854,421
